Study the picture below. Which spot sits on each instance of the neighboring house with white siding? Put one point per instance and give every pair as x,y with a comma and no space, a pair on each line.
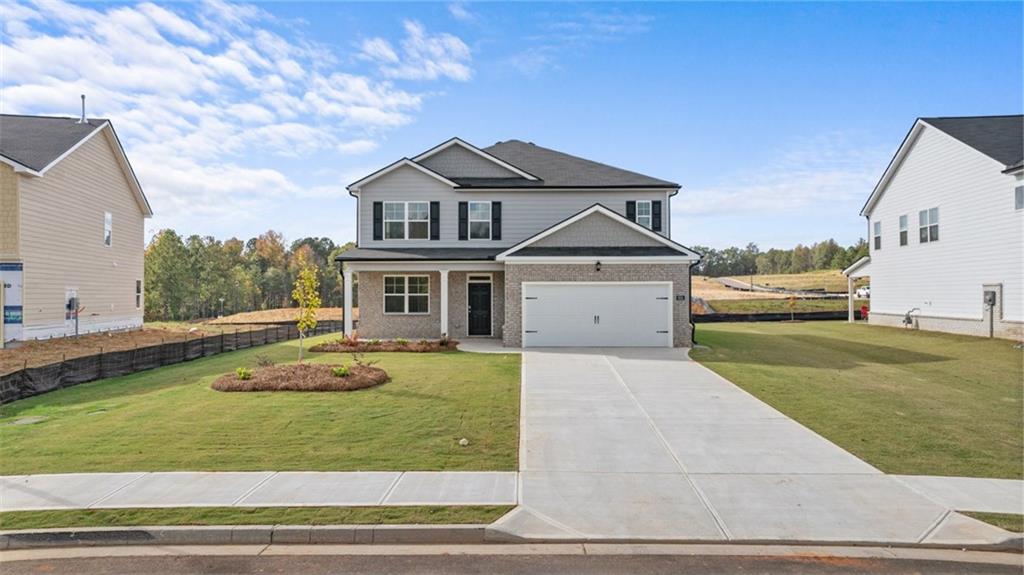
946,229
520,243
71,229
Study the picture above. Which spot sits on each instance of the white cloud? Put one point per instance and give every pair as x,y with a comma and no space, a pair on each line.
562,37
460,12
423,56
206,97
829,173
357,146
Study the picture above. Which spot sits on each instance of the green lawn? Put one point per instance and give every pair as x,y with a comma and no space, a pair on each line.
907,402
1008,521
169,419
252,516
781,305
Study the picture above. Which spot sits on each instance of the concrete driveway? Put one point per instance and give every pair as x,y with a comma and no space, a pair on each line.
646,444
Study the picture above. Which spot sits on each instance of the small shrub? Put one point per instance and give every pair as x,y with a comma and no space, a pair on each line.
374,341
263,360
424,342
444,340
340,371
402,342
243,373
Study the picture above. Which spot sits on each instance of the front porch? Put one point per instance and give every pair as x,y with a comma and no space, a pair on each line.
426,300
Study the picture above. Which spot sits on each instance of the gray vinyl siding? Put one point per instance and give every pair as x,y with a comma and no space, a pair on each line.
524,213
595,230
456,161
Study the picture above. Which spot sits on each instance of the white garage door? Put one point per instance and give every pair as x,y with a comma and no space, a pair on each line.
575,314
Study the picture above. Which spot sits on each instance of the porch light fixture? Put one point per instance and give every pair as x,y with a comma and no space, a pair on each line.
597,266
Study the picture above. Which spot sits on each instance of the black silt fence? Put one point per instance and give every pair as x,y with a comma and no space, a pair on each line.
38,380
780,316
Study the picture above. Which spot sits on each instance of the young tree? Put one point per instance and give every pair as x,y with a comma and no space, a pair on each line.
307,295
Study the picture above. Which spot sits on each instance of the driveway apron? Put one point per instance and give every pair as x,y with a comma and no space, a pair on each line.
645,444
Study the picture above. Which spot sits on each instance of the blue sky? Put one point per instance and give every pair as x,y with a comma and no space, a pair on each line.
777,119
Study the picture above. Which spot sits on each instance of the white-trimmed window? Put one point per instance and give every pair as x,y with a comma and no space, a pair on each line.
138,294
406,220
928,225
407,295
479,220
904,234
108,229
878,235
644,215
1018,198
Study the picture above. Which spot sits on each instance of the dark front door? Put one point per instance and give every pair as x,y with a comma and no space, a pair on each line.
479,309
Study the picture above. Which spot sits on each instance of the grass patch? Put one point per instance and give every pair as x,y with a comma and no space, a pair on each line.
253,516
169,419
832,281
782,305
1009,521
908,402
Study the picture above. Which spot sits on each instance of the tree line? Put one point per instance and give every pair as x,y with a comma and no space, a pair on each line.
735,261
201,276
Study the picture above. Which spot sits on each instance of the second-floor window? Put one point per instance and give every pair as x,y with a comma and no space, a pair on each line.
928,222
644,215
406,220
108,229
1018,198
479,220
903,231
878,235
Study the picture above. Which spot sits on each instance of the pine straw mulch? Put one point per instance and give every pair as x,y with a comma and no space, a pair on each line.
363,346
303,377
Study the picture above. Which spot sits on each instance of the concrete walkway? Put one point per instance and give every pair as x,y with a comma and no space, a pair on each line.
646,444
970,493
255,489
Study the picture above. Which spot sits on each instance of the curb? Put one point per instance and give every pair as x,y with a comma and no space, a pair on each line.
374,534
242,535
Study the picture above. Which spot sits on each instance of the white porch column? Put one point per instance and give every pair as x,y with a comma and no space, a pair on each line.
347,280
444,302
849,297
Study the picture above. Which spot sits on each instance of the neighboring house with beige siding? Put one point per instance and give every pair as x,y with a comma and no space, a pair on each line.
517,242
72,236
946,229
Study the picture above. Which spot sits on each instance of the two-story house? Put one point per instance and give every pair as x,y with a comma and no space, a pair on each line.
71,229
518,242
946,229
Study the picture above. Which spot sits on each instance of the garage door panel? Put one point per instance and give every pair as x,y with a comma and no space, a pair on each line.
605,315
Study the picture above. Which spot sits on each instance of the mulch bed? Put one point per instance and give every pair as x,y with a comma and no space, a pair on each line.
349,346
303,377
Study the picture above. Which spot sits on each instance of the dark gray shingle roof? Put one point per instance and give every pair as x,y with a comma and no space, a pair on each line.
558,169
422,254
36,141
998,137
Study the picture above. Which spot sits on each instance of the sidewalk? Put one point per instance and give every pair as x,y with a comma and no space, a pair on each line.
256,489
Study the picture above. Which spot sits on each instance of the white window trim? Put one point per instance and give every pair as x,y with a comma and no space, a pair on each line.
138,294
106,216
470,220
477,278
904,224
927,226
405,221
650,214
876,234
1016,191
405,298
